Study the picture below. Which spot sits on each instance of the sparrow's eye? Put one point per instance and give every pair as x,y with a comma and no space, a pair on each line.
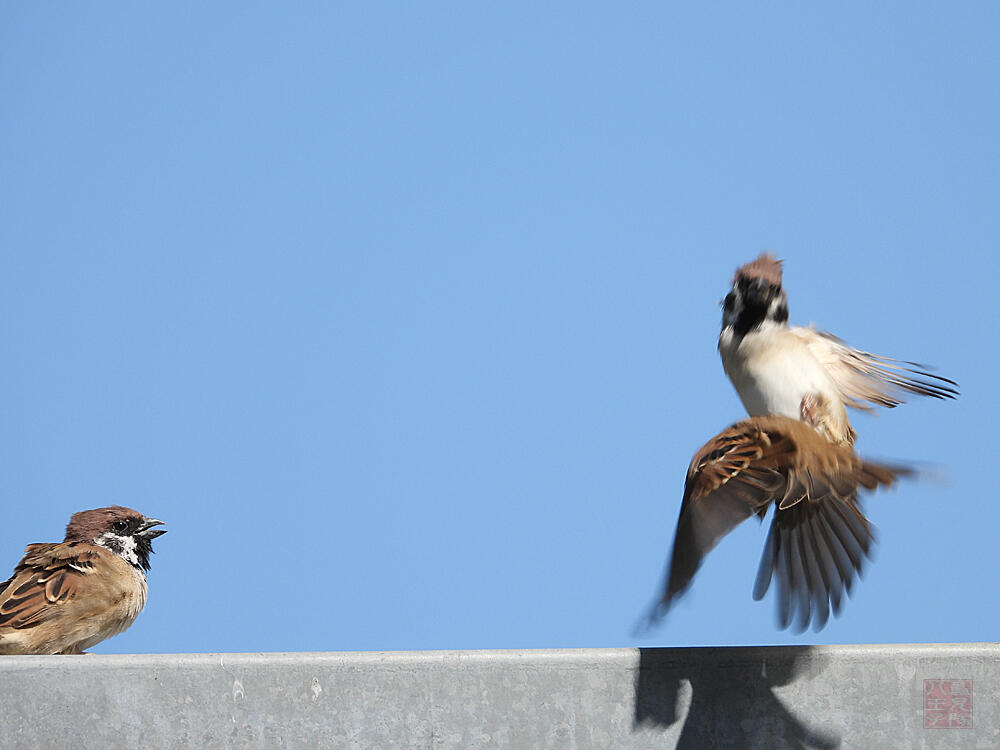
119,527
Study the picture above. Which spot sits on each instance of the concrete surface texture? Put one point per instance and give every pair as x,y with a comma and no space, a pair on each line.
912,696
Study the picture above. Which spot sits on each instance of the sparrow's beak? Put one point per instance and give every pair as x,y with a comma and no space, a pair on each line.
147,530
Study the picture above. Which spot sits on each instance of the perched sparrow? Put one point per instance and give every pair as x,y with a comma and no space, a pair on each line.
64,598
819,537
777,369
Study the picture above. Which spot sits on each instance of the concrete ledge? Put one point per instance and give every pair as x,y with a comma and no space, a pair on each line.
773,697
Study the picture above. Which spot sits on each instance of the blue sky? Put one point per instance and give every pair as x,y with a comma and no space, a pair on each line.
404,317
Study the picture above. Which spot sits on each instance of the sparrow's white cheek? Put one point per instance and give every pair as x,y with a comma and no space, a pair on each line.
123,546
778,309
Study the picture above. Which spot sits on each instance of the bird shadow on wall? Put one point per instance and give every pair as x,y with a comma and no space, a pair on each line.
732,699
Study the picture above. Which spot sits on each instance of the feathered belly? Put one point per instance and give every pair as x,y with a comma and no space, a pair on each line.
127,602
776,383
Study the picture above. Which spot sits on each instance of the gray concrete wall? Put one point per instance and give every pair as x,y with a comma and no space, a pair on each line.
775,697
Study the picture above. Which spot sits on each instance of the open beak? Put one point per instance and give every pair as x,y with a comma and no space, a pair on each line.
147,531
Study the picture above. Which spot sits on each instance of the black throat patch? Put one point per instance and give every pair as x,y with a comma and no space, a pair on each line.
746,308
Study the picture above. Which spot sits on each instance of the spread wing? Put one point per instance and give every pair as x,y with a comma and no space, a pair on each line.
866,380
819,537
727,483
48,576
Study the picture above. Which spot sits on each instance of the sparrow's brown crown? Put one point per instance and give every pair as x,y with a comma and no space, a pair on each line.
765,267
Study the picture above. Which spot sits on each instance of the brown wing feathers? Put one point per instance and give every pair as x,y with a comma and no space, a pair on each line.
48,575
727,469
819,537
